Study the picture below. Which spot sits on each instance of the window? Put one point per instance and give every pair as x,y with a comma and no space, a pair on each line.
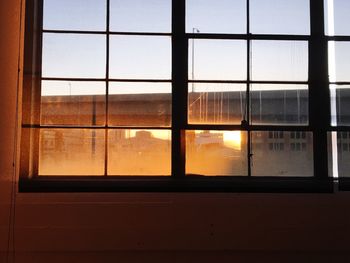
338,40
222,95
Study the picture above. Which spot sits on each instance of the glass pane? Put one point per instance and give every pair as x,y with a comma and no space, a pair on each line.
339,154
223,16
217,59
73,103
216,153
74,56
140,15
277,153
275,104
280,60
139,152
139,104
339,61
340,104
216,103
61,152
75,15
280,17
337,17
140,57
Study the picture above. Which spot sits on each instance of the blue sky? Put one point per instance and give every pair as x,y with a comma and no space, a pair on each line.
83,56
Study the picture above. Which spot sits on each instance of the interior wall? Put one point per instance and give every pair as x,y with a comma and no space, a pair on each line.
138,227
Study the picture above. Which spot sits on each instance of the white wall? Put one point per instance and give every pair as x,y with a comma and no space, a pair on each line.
138,227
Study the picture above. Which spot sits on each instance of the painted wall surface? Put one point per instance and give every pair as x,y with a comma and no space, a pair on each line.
136,227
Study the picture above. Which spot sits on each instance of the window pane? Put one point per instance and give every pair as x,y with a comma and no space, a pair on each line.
337,17
140,15
339,154
139,152
280,60
223,16
275,104
280,17
216,153
340,104
61,152
284,155
216,103
140,57
74,56
217,59
73,103
75,15
339,61
139,104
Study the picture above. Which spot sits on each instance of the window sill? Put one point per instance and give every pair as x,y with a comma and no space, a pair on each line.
188,184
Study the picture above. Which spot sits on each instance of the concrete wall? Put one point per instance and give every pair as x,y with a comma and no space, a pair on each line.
136,227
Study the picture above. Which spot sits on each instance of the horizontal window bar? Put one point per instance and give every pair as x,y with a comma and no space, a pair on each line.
104,79
105,32
338,38
74,32
340,83
248,128
248,36
190,127
250,81
37,126
339,128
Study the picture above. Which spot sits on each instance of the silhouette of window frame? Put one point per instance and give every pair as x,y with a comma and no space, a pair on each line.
319,99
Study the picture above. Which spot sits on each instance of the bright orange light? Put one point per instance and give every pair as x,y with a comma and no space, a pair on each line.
159,134
233,139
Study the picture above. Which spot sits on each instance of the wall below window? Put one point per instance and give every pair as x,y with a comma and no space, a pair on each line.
137,227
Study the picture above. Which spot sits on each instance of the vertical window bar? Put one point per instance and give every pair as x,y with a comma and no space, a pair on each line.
107,87
179,88
246,122
37,76
318,89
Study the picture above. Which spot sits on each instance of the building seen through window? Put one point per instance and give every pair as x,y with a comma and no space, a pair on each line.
185,88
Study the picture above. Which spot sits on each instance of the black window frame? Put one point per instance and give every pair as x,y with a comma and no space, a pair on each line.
319,105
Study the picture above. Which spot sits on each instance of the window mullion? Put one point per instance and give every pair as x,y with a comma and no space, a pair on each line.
318,89
107,85
179,87
32,84
246,122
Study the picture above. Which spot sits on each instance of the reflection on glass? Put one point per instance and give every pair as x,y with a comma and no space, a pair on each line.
72,103
140,57
224,16
280,60
275,104
280,17
337,17
139,152
62,151
339,61
278,153
139,104
75,15
217,59
339,155
140,15
340,104
216,103
216,153
74,55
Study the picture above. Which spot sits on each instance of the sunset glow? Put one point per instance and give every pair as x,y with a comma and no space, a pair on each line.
233,139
